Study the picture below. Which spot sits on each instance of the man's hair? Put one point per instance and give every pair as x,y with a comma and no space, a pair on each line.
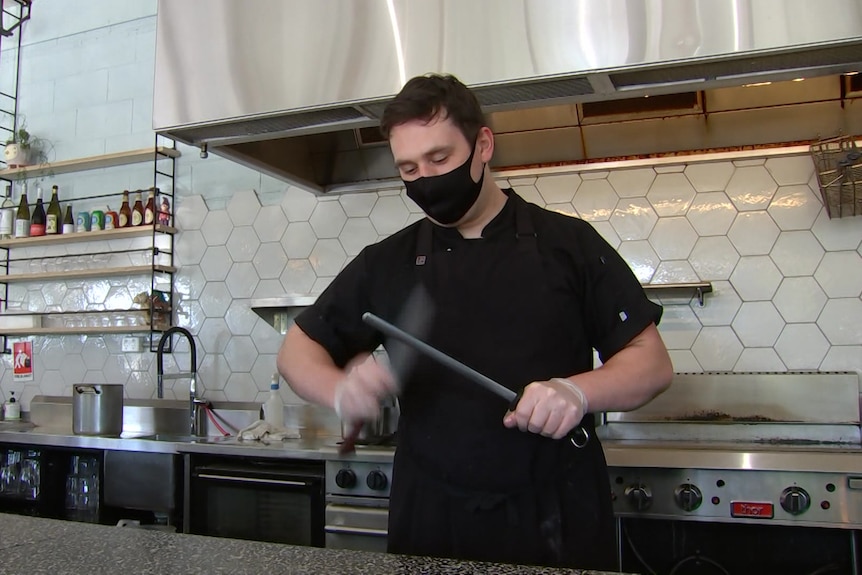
424,97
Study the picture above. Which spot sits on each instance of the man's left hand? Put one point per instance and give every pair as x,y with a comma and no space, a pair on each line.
552,408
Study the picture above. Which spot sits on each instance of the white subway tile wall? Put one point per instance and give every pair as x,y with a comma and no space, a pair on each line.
787,280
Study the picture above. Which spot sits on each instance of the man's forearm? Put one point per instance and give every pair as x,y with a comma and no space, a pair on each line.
307,368
631,378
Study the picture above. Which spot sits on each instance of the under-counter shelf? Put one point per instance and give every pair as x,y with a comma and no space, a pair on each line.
699,288
115,234
86,274
90,163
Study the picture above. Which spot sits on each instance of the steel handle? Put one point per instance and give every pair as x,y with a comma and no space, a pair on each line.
341,529
256,480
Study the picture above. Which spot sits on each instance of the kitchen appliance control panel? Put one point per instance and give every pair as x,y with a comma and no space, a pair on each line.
779,497
358,478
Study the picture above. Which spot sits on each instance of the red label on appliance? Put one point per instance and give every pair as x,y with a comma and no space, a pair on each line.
751,509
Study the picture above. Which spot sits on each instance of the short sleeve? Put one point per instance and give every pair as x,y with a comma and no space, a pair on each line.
615,305
335,319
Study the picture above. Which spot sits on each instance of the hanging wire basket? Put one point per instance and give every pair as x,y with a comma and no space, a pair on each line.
839,175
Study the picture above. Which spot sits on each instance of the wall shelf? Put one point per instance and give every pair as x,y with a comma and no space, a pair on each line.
87,274
90,163
698,288
84,330
115,234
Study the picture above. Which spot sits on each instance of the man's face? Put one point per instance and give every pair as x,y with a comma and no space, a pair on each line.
432,148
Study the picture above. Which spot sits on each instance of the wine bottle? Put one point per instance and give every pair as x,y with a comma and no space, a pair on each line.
54,216
22,217
125,211
138,211
37,220
150,209
68,221
7,215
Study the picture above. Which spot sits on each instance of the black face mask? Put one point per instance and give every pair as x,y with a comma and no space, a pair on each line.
448,197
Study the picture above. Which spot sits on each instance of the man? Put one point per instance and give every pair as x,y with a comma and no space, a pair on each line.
522,295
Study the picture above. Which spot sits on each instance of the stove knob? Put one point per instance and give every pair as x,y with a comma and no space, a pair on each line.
377,481
688,497
345,478
639,496
795,500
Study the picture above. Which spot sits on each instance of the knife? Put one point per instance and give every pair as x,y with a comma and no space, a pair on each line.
579,436
415,316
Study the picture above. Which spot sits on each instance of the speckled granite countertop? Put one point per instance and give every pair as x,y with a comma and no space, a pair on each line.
32,545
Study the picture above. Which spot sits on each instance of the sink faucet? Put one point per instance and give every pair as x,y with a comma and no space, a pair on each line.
194,402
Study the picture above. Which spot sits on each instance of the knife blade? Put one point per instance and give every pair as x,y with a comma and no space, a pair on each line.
578,436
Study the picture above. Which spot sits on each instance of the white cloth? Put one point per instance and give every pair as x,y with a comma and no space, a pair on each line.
262,431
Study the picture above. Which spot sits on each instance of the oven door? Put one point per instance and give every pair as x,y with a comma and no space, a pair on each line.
357,526
718,548
260,500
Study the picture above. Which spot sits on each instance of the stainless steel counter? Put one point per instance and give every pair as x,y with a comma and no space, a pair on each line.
619,453
62,437
318,448
843,458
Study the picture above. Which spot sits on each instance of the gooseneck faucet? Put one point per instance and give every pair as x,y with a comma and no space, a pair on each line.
194,402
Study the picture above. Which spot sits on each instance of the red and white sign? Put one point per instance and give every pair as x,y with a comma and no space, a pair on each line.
22,360
756,509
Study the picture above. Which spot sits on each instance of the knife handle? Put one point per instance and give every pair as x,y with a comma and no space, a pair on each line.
348,445
578,436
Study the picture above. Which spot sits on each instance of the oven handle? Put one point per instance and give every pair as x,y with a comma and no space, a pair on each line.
237,479
355,530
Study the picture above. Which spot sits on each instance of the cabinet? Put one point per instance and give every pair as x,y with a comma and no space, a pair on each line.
79,278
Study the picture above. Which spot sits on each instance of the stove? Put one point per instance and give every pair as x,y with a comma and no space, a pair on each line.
725,463
357,498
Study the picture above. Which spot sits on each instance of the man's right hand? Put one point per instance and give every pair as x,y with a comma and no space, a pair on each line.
358,395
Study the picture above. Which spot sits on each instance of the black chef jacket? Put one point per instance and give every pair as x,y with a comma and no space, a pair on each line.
528,301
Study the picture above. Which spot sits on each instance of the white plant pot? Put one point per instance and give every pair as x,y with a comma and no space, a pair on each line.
16,156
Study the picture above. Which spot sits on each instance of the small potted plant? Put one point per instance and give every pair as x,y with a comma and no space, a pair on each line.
18,148
23,148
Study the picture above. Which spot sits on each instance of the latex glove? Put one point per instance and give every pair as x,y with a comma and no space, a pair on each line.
551,408
358,395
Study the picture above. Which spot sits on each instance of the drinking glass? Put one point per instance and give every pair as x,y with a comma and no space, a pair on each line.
10,474
30,478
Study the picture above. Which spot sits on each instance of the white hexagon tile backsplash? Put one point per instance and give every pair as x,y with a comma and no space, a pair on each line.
787,280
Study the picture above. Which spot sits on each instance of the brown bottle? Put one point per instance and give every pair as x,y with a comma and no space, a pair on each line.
125,212
138,211
150,208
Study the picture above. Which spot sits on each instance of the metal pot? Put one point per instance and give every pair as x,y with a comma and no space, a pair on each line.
97,409
377,430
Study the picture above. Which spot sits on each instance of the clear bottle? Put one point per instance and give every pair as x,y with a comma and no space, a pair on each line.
54,216
273,408
7,215
37,221
68,221
12,408
22,217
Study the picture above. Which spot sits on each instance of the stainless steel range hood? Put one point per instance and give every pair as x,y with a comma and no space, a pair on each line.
295,88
